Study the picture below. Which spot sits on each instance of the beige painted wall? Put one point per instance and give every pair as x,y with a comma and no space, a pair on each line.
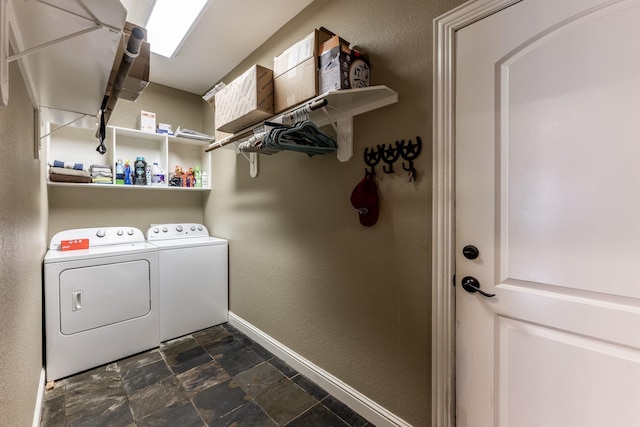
72,207
23,201
356,301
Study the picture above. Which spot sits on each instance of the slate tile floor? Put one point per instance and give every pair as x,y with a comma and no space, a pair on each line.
214,377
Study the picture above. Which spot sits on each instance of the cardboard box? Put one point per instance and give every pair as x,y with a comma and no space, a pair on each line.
138,78
295,71
342,67
147,121
245,101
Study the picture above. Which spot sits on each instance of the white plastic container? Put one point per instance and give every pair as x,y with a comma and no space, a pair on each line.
157,175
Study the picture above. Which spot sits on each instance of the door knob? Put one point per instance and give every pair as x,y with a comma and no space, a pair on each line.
470,252
471,285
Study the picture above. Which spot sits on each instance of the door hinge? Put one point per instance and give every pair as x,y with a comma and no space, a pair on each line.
454,281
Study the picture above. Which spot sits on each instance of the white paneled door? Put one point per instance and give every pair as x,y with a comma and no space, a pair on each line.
548,195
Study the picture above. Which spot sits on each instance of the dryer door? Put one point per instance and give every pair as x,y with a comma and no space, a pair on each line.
96,296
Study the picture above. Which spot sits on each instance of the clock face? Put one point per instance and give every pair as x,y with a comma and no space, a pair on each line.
359,74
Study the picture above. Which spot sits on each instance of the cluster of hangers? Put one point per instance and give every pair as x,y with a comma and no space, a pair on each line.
295,133
408,151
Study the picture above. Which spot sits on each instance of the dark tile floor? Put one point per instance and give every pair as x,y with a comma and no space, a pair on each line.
215,377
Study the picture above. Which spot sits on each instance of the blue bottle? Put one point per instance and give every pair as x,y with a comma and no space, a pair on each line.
127,173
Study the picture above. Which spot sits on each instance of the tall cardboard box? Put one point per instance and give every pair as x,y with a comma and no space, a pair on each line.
342,67
245,101
295,71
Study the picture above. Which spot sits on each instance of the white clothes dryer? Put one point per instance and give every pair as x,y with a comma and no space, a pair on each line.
101,298
194,278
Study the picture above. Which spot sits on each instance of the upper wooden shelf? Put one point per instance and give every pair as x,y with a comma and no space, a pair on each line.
341,107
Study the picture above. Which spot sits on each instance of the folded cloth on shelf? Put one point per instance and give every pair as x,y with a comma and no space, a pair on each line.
56,177
101,174
101,171
68,165
69,172
101,180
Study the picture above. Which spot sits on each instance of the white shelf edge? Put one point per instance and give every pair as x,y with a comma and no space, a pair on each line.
125,187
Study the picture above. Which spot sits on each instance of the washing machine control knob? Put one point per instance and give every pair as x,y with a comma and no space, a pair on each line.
156,230
165,229
120,233
193,228
130,232
179,228
199,228
100,233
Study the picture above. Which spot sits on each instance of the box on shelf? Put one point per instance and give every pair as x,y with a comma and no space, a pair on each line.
164,128
138,77
147,121
295,71
342,67
245,101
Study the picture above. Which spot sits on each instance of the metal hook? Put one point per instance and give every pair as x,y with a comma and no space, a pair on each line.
389,156
410,152
371,158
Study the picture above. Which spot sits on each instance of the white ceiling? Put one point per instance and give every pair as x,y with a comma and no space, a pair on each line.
226,33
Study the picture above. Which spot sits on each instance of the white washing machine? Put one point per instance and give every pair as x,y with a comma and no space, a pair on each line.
101,298
194,278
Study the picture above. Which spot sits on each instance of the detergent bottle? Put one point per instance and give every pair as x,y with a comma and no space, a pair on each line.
119,172
140,171
157,175
198,176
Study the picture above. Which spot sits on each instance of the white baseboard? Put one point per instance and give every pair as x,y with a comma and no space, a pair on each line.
37,412
355,400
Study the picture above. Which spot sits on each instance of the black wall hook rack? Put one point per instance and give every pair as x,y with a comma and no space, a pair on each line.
410,152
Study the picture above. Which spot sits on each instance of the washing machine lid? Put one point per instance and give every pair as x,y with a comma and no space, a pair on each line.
56,255
180,231
191,242
96,242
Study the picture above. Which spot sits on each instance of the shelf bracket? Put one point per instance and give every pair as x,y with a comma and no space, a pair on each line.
345,138
5,23
252,158
344,134
82,116
253,165
53,42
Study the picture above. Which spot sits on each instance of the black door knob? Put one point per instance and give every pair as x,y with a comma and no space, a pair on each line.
471,285
470,252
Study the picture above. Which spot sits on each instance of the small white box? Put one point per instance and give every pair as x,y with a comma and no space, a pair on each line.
165,128
147,121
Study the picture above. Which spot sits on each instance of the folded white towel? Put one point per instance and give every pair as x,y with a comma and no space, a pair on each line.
103,174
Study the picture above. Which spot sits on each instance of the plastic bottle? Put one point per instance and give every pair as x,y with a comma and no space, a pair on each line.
157,175
205,180
127,173
139,171
119,172
147,177
198,176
